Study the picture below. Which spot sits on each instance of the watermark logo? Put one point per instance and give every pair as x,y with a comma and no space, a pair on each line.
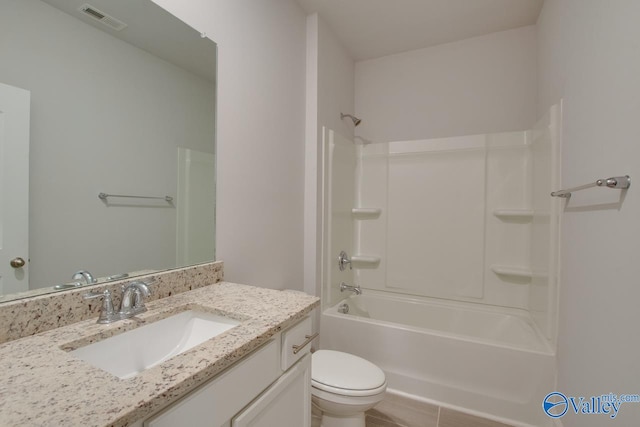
556,404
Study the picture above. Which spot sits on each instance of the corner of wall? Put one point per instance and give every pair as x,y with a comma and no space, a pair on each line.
311,158
329,91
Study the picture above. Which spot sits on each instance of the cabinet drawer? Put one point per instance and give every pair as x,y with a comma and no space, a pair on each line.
297,336
218,400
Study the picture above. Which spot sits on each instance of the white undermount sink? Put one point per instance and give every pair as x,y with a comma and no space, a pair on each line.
132,352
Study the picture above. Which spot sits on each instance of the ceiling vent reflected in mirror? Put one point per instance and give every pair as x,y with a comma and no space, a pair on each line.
109,21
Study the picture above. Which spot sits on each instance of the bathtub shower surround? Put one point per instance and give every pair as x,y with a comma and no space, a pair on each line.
33,315
463,227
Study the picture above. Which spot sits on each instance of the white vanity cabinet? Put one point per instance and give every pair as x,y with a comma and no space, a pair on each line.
271,387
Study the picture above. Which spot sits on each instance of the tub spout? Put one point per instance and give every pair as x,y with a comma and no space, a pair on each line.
355,289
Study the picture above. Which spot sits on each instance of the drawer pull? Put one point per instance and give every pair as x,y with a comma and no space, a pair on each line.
309,338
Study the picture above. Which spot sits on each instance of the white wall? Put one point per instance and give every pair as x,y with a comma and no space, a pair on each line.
330,91
260,141
480,85
105,117
590,56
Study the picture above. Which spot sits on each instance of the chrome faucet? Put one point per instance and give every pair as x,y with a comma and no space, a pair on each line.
132,302
355,289
132,298
84,275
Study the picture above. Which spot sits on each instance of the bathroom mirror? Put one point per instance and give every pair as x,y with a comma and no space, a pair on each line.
122,102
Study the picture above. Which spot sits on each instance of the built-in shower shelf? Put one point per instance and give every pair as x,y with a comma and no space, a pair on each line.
365,261
366,213
514,213
505,270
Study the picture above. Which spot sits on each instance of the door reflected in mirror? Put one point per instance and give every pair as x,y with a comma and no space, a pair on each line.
122,102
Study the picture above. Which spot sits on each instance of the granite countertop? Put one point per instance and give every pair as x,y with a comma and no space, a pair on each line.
41,384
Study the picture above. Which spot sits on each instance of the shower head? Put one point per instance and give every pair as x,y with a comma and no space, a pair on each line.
356,121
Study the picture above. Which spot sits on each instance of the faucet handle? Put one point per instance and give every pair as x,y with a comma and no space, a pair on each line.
343,259
107,312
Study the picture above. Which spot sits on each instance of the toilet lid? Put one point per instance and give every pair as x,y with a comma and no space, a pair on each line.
344,371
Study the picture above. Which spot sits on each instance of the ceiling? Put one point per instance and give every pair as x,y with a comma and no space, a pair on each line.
151,28
375,28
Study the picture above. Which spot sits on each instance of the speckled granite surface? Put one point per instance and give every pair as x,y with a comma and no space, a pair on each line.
29,316
43,385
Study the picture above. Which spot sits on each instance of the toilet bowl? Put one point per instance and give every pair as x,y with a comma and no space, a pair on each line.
344,386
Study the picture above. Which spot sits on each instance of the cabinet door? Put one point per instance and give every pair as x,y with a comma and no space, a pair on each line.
286,403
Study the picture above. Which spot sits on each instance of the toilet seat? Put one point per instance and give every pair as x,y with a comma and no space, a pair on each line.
346,374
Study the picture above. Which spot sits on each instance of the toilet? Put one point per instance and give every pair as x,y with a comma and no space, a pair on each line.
344,386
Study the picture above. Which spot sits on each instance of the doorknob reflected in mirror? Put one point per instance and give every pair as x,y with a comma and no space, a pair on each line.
17,262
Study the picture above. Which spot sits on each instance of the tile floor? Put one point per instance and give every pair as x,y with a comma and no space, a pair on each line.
398,411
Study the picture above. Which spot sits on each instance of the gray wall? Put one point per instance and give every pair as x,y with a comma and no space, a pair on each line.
261,119
330,91
589,55
480,85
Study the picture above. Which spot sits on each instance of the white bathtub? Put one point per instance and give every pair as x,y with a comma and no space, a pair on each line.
491,362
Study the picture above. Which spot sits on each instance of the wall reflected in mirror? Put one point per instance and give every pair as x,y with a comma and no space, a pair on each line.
124,112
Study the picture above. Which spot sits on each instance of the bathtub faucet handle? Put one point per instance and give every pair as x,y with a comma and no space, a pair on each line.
343,260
